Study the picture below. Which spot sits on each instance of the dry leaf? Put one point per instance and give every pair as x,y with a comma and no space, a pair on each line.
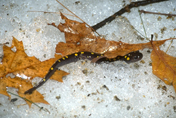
81,38
164,66
17,62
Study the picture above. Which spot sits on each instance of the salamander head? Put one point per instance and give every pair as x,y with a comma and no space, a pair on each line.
133,57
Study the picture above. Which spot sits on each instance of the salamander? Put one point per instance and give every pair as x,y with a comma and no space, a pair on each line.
128,58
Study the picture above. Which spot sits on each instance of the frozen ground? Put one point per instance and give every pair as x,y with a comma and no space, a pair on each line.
140,93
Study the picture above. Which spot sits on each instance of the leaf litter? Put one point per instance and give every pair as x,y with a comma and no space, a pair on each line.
78,37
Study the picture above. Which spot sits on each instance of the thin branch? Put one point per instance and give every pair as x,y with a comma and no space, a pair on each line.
148,12
142,23
52,12
169,45
123,10
27,100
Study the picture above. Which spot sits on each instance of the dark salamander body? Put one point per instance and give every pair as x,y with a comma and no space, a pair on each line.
129,58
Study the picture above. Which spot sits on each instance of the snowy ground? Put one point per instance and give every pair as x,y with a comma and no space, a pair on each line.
140,93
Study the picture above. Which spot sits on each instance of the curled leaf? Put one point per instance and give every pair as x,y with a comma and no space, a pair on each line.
164,66
81,38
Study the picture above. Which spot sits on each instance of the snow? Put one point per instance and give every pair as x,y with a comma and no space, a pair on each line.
92,95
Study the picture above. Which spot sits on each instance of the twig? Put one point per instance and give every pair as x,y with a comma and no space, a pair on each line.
51,12
169,45
142,23
148,12
123,10
27,100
